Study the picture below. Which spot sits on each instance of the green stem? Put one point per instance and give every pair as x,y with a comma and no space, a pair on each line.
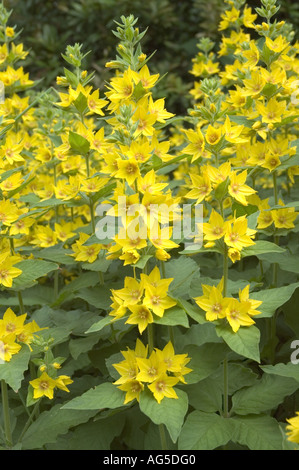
29,421
225,388
225,362
21,303
56,284
150,334
225,270
163,437
93,225
6,416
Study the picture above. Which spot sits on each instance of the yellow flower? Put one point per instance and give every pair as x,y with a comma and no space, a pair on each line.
141,316
144,76
238,235
11,323
8,347
254,304
7,270
163,387
151,368
238,189
277,45
133,389
213,303
284,218
213,135
273,111
196,145
157,299
43,386
215,228
237,314
132,292
293,428
95,104
128,170
201,188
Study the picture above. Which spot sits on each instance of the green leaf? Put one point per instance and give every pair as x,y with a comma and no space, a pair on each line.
257,432
169,411
12,372
81,345
205,395
244,342
283,370
199,335
286,261
96,435
98,326
181,270
261,247
99,297
172,317
32,269
205,431
238,377
103,396
51,424
193,311
101,264
80,103
273,298
204,360
221,190
78,143
265,395
58,254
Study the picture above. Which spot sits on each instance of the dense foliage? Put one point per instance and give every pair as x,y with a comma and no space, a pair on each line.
149,268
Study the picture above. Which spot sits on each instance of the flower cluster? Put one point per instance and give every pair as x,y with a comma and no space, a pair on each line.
161,371
14,332
144,299
238,312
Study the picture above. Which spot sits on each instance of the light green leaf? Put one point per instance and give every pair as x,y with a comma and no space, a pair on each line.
205,395
172,317
98,326
261,247
205,431
12,372
244,342
265,395
99,297
273,298
283,370
32,269
169,411
286,261
238,377
51,424
182,271
205,360
103,396
257,432
78,143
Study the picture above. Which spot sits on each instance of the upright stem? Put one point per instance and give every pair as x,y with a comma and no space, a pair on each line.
150,333
272,327
6,416
21,303
225,361
162,437
20,298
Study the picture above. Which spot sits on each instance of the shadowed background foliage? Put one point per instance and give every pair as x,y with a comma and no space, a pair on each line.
174,28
